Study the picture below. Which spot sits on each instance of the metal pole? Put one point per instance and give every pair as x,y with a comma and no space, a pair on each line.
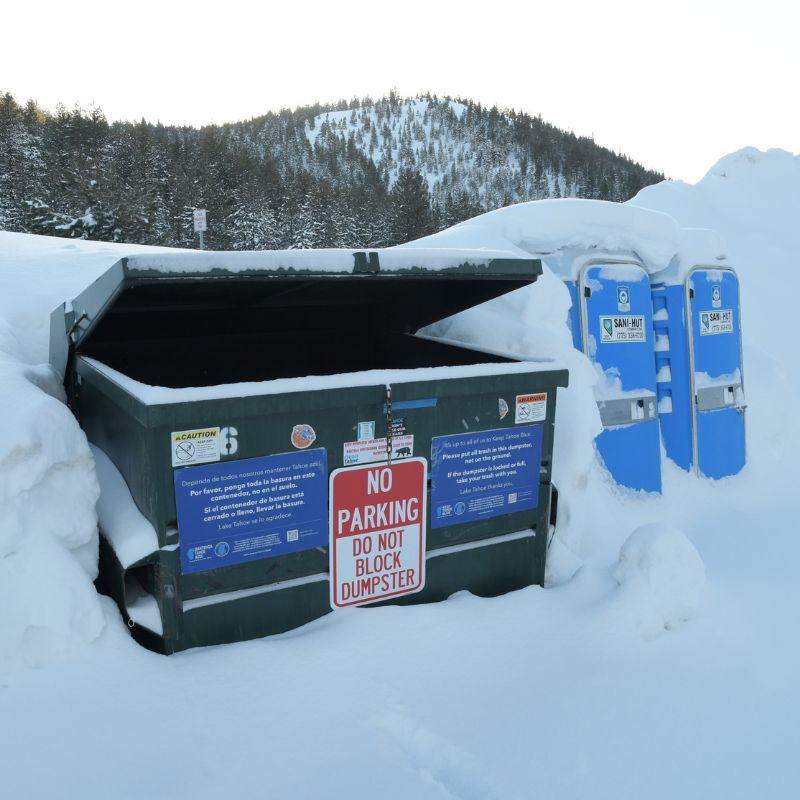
200,233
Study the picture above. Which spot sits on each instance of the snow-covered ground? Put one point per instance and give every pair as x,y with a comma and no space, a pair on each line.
665,666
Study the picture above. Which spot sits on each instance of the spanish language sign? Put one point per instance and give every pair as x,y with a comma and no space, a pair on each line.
484,474
238,511
377,522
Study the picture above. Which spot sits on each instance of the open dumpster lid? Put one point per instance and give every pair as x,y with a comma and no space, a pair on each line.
169,295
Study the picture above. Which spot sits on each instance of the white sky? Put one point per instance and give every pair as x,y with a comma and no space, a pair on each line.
675,85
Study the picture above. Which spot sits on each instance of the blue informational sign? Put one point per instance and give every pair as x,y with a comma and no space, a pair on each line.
238,511
484,474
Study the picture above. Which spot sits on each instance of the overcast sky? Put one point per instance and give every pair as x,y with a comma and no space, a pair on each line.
675,85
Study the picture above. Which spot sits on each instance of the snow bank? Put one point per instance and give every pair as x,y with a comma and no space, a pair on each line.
753,199
661,578
545,227
48,535
530,324
48,488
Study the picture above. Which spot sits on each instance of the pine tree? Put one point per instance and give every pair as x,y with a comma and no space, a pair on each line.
411,209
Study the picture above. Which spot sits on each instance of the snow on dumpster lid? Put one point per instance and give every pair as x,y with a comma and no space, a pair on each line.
176,294
330,261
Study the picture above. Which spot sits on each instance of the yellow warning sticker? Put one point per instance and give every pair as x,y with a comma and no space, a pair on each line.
198,446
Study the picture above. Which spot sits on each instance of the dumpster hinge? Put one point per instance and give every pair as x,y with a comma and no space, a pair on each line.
71,333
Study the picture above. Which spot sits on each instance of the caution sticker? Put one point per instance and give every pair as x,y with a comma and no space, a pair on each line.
531,407
716,322
368,451
194,447
627,328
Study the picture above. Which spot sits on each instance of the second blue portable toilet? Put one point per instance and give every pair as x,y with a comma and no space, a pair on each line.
697,321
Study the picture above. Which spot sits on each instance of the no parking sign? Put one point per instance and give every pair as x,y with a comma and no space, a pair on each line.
378,523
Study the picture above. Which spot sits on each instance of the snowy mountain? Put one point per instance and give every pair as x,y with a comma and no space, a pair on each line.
360,174
664,667
493,158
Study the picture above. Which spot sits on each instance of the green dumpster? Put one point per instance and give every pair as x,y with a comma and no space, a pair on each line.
258,404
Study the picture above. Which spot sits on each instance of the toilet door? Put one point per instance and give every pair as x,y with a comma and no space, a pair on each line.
617,322
715,360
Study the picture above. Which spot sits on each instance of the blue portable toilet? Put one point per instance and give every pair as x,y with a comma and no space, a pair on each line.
701,404
612,323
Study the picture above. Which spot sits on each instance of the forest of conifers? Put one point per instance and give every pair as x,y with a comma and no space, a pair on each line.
360,173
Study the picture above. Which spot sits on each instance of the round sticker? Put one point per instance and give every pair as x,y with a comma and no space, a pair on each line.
303,436
502,407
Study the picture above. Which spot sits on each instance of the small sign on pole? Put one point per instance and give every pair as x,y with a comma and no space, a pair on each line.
200,226
377,521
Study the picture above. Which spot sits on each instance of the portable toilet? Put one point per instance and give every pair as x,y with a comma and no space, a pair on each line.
612,323
697,320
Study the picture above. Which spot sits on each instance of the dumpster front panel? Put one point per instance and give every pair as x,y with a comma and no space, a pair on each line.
717,385
617,320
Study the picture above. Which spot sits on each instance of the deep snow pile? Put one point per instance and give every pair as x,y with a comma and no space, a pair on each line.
598,687
661,576
48,490
753,199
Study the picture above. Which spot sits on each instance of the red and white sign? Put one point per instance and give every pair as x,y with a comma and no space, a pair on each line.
199,217
531,408
368,450
377,522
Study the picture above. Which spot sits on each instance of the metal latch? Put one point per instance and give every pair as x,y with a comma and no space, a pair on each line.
627,410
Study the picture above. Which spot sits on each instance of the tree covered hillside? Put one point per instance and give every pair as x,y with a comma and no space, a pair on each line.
357,174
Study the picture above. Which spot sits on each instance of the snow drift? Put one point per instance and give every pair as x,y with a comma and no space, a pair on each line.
48,487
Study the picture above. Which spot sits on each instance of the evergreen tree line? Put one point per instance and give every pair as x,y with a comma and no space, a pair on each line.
361,173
